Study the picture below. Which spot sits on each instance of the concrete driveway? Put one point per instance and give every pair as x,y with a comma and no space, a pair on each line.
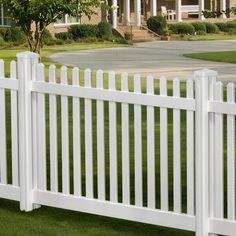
161,58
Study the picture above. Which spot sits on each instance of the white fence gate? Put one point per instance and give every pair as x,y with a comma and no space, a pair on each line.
158,157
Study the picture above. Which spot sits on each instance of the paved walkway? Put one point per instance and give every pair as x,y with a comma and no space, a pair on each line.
160,58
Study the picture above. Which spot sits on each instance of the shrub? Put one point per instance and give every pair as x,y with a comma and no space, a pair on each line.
222,27
47,34
104,30
15,35
211,14
2,32
83,31
128,35
211,28
201,32
199,26
182,28
231,25
64,36
2,42
157,24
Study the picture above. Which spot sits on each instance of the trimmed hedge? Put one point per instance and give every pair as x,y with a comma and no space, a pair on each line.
199,26
83,31
64,36
211,28
157,24
104,30
231,25
222,27
15,35
182,28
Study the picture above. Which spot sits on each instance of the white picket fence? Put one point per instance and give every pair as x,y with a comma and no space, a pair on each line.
88,164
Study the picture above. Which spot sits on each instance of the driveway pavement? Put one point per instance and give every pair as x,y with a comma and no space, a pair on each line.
161,58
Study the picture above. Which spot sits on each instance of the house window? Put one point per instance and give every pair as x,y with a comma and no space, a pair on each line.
67,20
5,20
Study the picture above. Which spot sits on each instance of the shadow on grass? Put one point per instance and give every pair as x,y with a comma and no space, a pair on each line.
52,221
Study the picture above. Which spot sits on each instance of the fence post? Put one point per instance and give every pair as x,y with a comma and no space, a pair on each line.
202,81
26,62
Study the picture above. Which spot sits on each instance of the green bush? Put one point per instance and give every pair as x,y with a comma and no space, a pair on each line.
157,24
231,25
15,35
2,32
104,30
83,31
64,36
199,26
211,14
2,42
222,27
211,28
47,37
182,28
200,32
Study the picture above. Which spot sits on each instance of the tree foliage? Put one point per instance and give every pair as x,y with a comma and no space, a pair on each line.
33,16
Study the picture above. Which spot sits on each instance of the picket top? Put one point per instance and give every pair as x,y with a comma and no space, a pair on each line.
205,73
27,55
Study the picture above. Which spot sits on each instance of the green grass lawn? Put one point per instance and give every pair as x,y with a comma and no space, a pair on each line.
226,56
51,221
10,54
220,36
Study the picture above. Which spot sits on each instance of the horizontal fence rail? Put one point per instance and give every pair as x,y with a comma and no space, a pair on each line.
141,149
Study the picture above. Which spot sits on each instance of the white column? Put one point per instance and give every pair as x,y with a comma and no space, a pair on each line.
127,12
153,7
202,79
223,8
138,12
178,10
201,4
26,61
114,14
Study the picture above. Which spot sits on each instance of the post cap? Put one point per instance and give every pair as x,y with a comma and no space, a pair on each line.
205,73
27,55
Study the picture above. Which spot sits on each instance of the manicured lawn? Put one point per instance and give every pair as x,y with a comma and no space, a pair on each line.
56,222
10,54
227,56
220,36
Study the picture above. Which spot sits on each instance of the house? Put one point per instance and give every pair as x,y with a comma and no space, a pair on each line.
136,12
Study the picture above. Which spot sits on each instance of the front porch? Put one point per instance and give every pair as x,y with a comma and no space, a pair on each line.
136,12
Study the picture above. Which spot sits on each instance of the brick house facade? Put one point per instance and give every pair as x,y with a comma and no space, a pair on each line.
126,12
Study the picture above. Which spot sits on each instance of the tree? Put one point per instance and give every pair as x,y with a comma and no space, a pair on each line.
33,16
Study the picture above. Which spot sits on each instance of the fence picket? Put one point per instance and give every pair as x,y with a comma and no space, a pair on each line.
177,150
138,145
41,129
3,156
151,148
113,143
53,133
219,177
88,137
164,149
76,136
190,153
65,136
35,129
14,129
231,155
100,141
125,144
